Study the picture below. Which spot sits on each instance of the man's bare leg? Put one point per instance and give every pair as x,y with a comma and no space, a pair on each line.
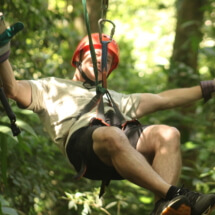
161,146
113,148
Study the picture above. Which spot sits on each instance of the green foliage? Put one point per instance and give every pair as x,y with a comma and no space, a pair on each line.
89,200
5,208
115,201
35,178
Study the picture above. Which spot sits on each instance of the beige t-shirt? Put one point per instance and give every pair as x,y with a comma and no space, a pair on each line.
58,102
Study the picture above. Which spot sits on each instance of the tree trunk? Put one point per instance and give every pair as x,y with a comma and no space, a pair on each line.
184,62
94,10
94,13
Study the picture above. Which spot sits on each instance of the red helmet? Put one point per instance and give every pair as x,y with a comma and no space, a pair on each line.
84,46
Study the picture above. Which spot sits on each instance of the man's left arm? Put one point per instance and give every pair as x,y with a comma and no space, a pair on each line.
179,97
150,103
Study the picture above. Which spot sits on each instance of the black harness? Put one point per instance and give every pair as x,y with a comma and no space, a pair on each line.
112,118
116,119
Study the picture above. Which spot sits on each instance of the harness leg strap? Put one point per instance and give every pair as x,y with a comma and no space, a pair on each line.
104,184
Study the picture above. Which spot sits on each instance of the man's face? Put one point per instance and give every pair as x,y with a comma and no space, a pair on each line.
87,64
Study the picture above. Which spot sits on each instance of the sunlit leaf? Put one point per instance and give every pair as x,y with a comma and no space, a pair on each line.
7,131
25,126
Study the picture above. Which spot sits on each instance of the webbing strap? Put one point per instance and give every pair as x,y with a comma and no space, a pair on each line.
120,118
92,50
15,129
88,107
100,90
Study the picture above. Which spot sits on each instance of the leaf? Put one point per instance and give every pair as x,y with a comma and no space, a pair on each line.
146,199
0,209
110,205
3,201
5,209
189,24
7,131
25,126
9,211
22,124
72,204
4,160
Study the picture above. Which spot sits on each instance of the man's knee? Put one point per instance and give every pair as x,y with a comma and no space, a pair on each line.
162,136
109,138
169,138
169,133
108,142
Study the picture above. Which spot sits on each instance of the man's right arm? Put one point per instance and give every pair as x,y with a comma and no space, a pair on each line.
20,91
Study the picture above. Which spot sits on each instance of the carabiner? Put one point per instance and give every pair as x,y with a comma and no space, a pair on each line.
105,49
101,24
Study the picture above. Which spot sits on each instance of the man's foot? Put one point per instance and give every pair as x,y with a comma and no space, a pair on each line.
177,206
202,204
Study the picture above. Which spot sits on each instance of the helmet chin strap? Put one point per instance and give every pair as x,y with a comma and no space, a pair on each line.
88,82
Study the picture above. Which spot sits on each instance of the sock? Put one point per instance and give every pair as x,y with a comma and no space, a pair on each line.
171,192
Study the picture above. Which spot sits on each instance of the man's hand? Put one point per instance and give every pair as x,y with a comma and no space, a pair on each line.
6,35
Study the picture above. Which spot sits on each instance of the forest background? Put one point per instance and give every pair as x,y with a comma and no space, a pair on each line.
163,45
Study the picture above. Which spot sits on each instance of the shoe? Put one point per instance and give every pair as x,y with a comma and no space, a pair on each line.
201,204
177,206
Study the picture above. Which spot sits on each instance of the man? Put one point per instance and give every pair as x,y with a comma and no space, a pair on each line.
99,148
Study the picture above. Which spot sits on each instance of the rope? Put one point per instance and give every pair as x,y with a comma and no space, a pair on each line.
104,43
104,8
92,50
